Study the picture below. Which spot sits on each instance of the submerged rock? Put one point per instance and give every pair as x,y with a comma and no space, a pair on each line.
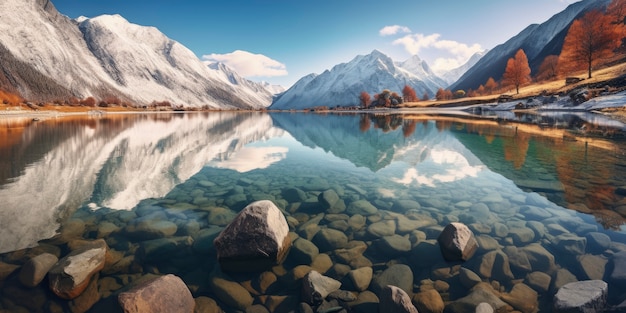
395,300
583,296
315,287
70,276
162,294
399,275
429,301
457,242
35,270
257,239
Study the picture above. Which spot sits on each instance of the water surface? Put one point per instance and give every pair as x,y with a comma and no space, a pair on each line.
199,170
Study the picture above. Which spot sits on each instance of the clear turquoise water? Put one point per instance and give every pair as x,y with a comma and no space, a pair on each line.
198,170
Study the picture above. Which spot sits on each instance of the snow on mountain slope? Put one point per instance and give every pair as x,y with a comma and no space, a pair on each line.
252,91
153,67
342,85
108,56
273,89
36,34
532,39
454,74
418,67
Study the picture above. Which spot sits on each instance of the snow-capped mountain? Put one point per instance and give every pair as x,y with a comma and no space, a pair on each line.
342,85
51,57
252,91
273,89
453,75
418,67
537,40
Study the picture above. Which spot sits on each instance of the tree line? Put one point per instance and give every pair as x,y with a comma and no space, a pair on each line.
592,41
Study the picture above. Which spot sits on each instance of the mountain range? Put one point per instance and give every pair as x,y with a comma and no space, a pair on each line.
537,40
53,57
372,73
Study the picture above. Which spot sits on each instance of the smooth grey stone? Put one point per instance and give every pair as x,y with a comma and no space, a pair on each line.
585,296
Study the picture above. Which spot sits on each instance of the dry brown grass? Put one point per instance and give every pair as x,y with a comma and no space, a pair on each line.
550,87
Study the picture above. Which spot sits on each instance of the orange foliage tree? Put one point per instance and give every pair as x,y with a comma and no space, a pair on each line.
491,86
617,13
443,94
89,101
425,97
408,94
9,98
365,99
548,68
517,72
589,41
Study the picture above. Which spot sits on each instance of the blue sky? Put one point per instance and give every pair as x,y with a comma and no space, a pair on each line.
280,41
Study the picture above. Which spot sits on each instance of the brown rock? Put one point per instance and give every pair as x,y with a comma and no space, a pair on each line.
315,287
361,277
457,242
7,269
86,299
35,270
69,277
230,292
257,239
206,305
429,301
395,300
163,294
522,298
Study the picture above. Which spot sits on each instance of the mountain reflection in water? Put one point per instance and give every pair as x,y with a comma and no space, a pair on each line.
51,168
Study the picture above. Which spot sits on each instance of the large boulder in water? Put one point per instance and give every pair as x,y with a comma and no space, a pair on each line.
457,242
257,239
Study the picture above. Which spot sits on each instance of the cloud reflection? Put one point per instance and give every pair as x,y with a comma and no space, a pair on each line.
252,158
439,166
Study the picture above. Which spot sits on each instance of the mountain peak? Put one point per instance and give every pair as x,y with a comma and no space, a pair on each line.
342,85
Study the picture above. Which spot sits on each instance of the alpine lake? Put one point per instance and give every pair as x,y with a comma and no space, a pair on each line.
544,196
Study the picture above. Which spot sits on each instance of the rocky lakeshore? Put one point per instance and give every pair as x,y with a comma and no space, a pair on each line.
332,244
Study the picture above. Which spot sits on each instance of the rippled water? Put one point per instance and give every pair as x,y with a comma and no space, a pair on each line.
75,178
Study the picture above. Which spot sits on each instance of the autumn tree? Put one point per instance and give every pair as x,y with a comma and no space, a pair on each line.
517,72
548,69
589,41
481,90
89,101
408,94
365,99
425,97
491,86
440,94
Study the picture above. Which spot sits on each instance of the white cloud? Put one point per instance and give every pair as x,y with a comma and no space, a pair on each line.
457,53
393,29
248,64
